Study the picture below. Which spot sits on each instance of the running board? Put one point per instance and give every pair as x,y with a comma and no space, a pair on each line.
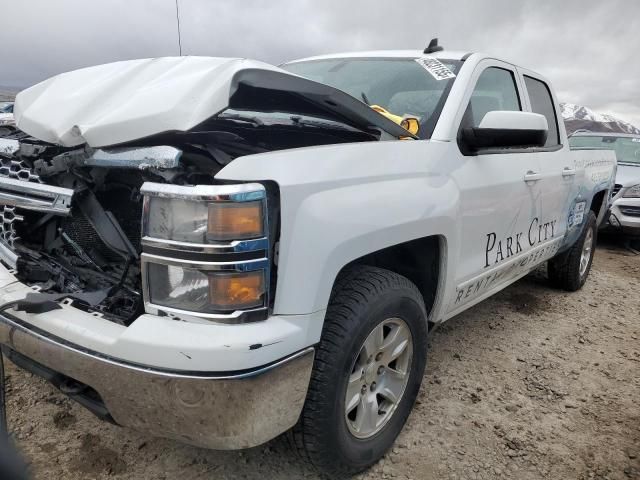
37,197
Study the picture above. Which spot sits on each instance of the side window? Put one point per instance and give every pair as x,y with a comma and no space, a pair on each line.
495,90
542,103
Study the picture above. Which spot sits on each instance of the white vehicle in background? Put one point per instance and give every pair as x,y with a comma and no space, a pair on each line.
7,122
6,108
625,209
297,246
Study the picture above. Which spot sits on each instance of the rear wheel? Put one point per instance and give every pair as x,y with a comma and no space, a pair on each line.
367,372
570,269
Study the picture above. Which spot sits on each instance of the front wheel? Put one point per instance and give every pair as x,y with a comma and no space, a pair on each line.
367,371
570,269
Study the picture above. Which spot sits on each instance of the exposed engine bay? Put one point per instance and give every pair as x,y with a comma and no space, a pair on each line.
87,245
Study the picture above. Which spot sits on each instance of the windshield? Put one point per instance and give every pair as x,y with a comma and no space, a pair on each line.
401,86
627,148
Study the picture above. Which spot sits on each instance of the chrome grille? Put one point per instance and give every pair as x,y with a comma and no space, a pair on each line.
18,170
8,219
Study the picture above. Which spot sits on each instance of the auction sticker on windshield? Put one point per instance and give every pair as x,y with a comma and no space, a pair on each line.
436,68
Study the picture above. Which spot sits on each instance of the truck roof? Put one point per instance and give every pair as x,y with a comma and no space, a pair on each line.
444,54
589,133
441,55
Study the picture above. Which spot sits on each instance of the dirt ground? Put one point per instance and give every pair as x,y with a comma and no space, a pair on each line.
532,383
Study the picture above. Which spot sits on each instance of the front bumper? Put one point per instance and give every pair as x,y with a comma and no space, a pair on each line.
624,216
230,411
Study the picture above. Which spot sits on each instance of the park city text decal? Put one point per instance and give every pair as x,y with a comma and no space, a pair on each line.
539,238
507,247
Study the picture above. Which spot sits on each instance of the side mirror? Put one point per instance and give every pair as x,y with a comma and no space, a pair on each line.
506,129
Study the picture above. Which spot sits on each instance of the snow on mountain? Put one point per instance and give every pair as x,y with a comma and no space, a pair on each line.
577,117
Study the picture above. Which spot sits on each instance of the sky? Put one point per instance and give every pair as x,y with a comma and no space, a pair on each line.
589,49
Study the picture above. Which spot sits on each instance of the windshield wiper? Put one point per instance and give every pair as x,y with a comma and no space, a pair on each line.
253,120
319,123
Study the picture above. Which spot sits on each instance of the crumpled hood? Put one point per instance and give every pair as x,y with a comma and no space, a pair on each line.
117,102
628,175
125,101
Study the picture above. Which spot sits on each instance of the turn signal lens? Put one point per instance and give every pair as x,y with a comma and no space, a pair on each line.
235,221
236,290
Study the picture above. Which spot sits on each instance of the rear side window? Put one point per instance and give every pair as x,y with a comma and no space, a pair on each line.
542,103
495,90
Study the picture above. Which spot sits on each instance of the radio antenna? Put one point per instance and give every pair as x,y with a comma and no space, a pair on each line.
432,48
178,19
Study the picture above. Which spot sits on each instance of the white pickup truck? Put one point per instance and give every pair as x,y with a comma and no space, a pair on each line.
219,251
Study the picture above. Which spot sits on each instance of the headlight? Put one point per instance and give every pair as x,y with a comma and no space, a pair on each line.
200,291
632,192
205,251
202,222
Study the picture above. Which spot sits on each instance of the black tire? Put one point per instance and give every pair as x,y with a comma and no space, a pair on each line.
363,297
564,269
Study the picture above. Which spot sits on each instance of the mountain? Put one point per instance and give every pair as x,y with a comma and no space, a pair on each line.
577,117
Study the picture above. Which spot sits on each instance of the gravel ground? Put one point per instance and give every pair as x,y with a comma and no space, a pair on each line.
532,383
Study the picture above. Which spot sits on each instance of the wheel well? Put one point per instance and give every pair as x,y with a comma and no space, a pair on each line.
418,260
597,202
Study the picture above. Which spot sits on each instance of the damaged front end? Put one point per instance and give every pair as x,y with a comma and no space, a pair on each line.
110,199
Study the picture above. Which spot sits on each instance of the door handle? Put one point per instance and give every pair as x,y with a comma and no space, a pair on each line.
568,172
532,176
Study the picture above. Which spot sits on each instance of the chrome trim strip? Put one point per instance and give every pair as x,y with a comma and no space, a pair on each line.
241,266
236,246
242,192
142,158
233,318
37,197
